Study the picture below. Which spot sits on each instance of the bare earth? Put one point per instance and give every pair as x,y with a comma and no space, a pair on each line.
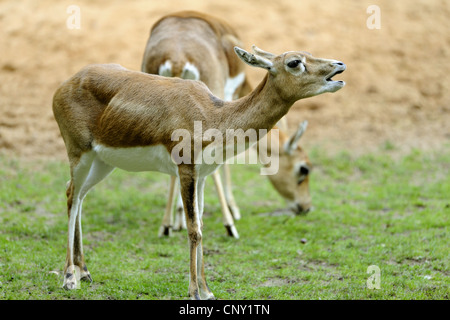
398,82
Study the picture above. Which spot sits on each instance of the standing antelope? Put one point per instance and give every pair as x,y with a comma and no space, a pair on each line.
197,46
112,117
193,45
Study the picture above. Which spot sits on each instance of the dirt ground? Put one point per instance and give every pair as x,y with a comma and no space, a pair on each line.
397,91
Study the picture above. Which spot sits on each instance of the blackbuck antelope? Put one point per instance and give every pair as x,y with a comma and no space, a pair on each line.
292,178
197,46
112,117
193,45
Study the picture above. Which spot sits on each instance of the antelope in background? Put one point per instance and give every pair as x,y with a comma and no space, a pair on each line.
112,117
197,46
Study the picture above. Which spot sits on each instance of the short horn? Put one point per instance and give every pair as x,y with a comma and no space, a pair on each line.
292,143
262,53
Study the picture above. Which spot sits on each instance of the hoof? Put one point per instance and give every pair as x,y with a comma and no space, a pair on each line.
209,296
195,296
70,282
86,278
165,231
232,231
70,286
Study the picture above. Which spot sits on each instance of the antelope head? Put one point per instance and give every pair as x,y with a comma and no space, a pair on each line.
292,179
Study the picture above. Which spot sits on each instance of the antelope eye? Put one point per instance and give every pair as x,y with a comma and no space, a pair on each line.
294,63
304,170
303,173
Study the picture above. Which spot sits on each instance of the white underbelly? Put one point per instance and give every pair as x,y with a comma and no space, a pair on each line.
152,158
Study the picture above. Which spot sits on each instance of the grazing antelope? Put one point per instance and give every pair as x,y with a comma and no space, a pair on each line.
113,117
292,179
197,46
193,45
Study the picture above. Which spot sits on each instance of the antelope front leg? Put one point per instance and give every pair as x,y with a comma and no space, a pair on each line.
205,292
189,193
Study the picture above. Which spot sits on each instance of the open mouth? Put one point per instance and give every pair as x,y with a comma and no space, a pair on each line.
333,74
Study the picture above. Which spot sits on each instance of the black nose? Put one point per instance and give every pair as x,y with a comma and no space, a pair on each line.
300,210
339,63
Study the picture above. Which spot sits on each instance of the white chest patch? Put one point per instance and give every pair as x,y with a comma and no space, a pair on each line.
152,158
231,85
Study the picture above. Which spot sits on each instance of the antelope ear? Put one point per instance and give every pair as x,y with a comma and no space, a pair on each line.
262,53
253,60
292,143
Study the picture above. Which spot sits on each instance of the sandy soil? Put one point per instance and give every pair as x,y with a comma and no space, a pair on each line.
397,91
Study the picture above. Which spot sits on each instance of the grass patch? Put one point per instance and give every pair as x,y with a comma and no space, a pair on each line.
369,210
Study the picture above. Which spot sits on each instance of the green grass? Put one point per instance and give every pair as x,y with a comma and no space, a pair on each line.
369,210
